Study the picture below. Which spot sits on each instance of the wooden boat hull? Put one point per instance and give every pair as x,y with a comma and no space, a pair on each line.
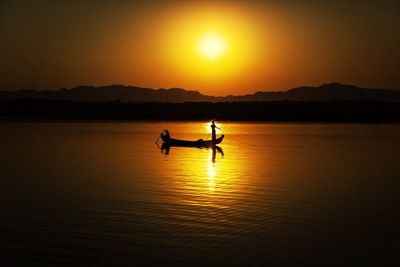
198,143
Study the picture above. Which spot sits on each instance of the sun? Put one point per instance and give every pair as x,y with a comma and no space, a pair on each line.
212,46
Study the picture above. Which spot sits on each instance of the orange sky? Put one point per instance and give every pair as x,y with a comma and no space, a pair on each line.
273,45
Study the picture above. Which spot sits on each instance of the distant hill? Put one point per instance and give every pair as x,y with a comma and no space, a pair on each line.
325,92
110,93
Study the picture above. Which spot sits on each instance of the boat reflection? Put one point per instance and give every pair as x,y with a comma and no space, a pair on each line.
165,148
216,149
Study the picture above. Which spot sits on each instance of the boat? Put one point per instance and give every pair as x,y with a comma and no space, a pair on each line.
168,141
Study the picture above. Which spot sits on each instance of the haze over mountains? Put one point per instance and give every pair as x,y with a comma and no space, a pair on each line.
325,92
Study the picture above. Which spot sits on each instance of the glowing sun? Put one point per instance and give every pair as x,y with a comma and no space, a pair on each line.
212,46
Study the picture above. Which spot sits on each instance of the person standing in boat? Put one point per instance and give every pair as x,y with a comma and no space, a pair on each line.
213,133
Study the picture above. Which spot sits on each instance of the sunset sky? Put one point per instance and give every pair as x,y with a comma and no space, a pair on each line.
217,48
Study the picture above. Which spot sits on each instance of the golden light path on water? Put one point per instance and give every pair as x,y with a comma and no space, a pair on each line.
212,173
206,177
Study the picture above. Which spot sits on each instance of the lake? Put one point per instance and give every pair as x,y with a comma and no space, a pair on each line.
103,193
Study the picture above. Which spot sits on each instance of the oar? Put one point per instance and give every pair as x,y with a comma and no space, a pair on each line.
158,139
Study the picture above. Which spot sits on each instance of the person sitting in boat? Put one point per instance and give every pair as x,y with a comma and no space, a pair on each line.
165,135
213,133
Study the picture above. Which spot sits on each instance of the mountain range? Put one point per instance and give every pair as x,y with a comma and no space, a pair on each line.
325,92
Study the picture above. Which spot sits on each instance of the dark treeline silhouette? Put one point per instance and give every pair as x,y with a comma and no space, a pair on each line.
328,111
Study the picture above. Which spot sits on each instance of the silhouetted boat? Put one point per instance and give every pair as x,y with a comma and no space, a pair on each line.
168,141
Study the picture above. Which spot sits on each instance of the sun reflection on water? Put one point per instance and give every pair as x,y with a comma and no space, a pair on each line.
205,177
212,172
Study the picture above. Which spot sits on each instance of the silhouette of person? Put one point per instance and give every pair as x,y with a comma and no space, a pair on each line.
165,136
213,133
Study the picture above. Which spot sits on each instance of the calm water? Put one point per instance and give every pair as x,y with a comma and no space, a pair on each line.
104,193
